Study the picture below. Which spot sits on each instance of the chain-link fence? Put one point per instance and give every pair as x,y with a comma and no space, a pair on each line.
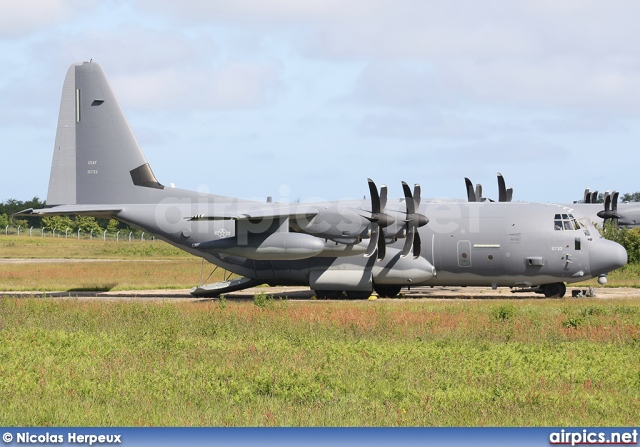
68,233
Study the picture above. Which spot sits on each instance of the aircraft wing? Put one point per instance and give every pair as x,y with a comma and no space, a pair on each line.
260,213
249,214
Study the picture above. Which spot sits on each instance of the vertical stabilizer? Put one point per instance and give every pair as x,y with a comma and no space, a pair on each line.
62,181
97,159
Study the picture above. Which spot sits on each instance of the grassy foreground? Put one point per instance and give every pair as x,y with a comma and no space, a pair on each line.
530,362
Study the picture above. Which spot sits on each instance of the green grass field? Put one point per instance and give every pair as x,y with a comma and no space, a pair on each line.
127,265
471,363
66,362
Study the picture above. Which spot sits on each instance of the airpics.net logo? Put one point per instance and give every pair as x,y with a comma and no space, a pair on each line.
71,438
592,437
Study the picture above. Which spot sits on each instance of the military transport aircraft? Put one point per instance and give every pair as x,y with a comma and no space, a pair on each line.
334,247
624,214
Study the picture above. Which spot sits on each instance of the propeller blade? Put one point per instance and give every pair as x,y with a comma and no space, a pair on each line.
614,208
509,194
408,198
383,198
379,220
375,198
373,241
471,195
607,202
382,246
408,242
417,245
594,197
478,192
417,191
502,189
411,210
414,219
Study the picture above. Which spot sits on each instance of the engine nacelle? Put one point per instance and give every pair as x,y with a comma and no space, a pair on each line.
394,269
349,274
343,225
275,246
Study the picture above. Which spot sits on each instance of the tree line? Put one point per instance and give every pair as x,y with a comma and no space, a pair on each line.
85,224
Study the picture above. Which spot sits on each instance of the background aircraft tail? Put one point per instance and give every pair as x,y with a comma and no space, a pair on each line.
96,159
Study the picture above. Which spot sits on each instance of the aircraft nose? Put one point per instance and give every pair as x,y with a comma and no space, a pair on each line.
606,256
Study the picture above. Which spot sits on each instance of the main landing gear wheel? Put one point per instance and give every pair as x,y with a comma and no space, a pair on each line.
328,294
555,290
387,291
358,294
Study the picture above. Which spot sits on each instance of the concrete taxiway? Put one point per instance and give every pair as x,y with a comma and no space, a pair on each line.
304,293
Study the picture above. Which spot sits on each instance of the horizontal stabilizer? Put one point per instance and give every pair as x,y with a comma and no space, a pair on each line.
63,210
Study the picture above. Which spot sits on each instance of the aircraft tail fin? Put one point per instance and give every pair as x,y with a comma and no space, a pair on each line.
97,159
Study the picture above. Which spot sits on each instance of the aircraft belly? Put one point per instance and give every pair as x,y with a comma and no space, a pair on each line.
473,279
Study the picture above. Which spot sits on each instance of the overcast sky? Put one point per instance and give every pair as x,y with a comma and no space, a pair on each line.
306,99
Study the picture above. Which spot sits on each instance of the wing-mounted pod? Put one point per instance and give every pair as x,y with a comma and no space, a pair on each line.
379,220
413,221
271,241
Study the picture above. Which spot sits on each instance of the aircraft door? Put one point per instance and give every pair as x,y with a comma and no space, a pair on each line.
464,253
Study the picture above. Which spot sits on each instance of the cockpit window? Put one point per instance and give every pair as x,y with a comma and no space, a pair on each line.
563,222
584,226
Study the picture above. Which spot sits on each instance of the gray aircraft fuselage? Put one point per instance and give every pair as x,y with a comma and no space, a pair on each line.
98,169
